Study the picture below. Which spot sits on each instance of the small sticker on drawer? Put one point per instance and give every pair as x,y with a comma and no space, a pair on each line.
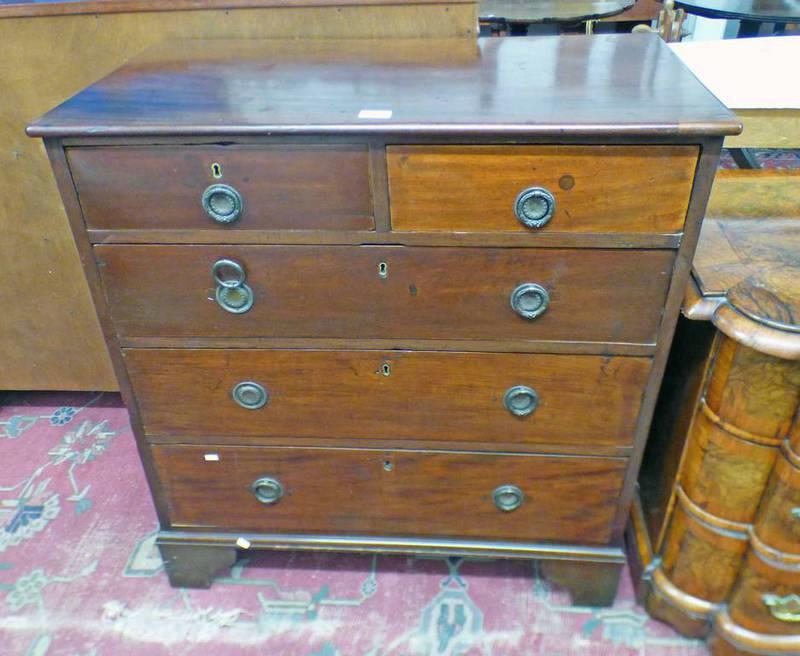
211,457
375,113
242,543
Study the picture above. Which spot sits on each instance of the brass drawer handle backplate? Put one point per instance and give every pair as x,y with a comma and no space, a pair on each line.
535,207
521,400
250,395
530,300
508,497
222,203
267,490
233,294
785,609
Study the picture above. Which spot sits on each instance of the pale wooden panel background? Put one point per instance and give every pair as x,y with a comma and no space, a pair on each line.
49,337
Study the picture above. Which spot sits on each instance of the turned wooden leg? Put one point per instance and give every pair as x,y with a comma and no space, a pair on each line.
194,566
589,584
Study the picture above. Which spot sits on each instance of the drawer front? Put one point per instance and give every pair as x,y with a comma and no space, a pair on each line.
722,473
766,598
280,187
370,492
602,189
579,400
389,292
777,523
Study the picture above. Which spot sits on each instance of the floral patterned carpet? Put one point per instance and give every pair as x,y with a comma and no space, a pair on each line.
79,574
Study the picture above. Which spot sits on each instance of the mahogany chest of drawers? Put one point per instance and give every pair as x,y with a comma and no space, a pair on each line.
398,296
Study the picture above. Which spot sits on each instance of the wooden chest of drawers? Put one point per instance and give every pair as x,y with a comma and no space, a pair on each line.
407,296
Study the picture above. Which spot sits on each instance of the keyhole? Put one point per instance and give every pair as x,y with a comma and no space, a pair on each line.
387,465
383,270
386,369
216,171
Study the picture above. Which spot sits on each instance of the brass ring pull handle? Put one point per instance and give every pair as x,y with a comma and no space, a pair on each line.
508,497
233,294
535,207
221,266
521,400
785,609
222,203
267,490
250,395
530,300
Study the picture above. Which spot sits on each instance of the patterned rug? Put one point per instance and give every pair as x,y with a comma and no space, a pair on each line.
79,574
767,158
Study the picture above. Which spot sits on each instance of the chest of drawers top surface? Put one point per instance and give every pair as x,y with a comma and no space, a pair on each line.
601,85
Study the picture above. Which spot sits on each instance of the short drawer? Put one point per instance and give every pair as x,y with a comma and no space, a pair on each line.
387,292
280,187
579,400
570,189
766,598
777,523
370,492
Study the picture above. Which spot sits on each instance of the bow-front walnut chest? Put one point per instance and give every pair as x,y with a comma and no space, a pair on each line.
397,296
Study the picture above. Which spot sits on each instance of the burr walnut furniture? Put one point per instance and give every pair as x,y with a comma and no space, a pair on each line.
718,529
49,336
397,296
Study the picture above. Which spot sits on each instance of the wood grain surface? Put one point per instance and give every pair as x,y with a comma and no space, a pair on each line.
729,531
761,576
730,639
589,583
346,395
49,337
41,8
596,188
289,187
341,404
755,393
250,87
723,473
391,493
365,237
427,293
699,559
548,11
747,260
778,521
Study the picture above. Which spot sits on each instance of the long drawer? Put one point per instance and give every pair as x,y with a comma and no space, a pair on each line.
286,187
570,189
485,398
413,493
387,292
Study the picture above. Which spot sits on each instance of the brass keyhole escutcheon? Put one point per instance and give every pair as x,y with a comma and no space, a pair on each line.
383,270
216,171
386,369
